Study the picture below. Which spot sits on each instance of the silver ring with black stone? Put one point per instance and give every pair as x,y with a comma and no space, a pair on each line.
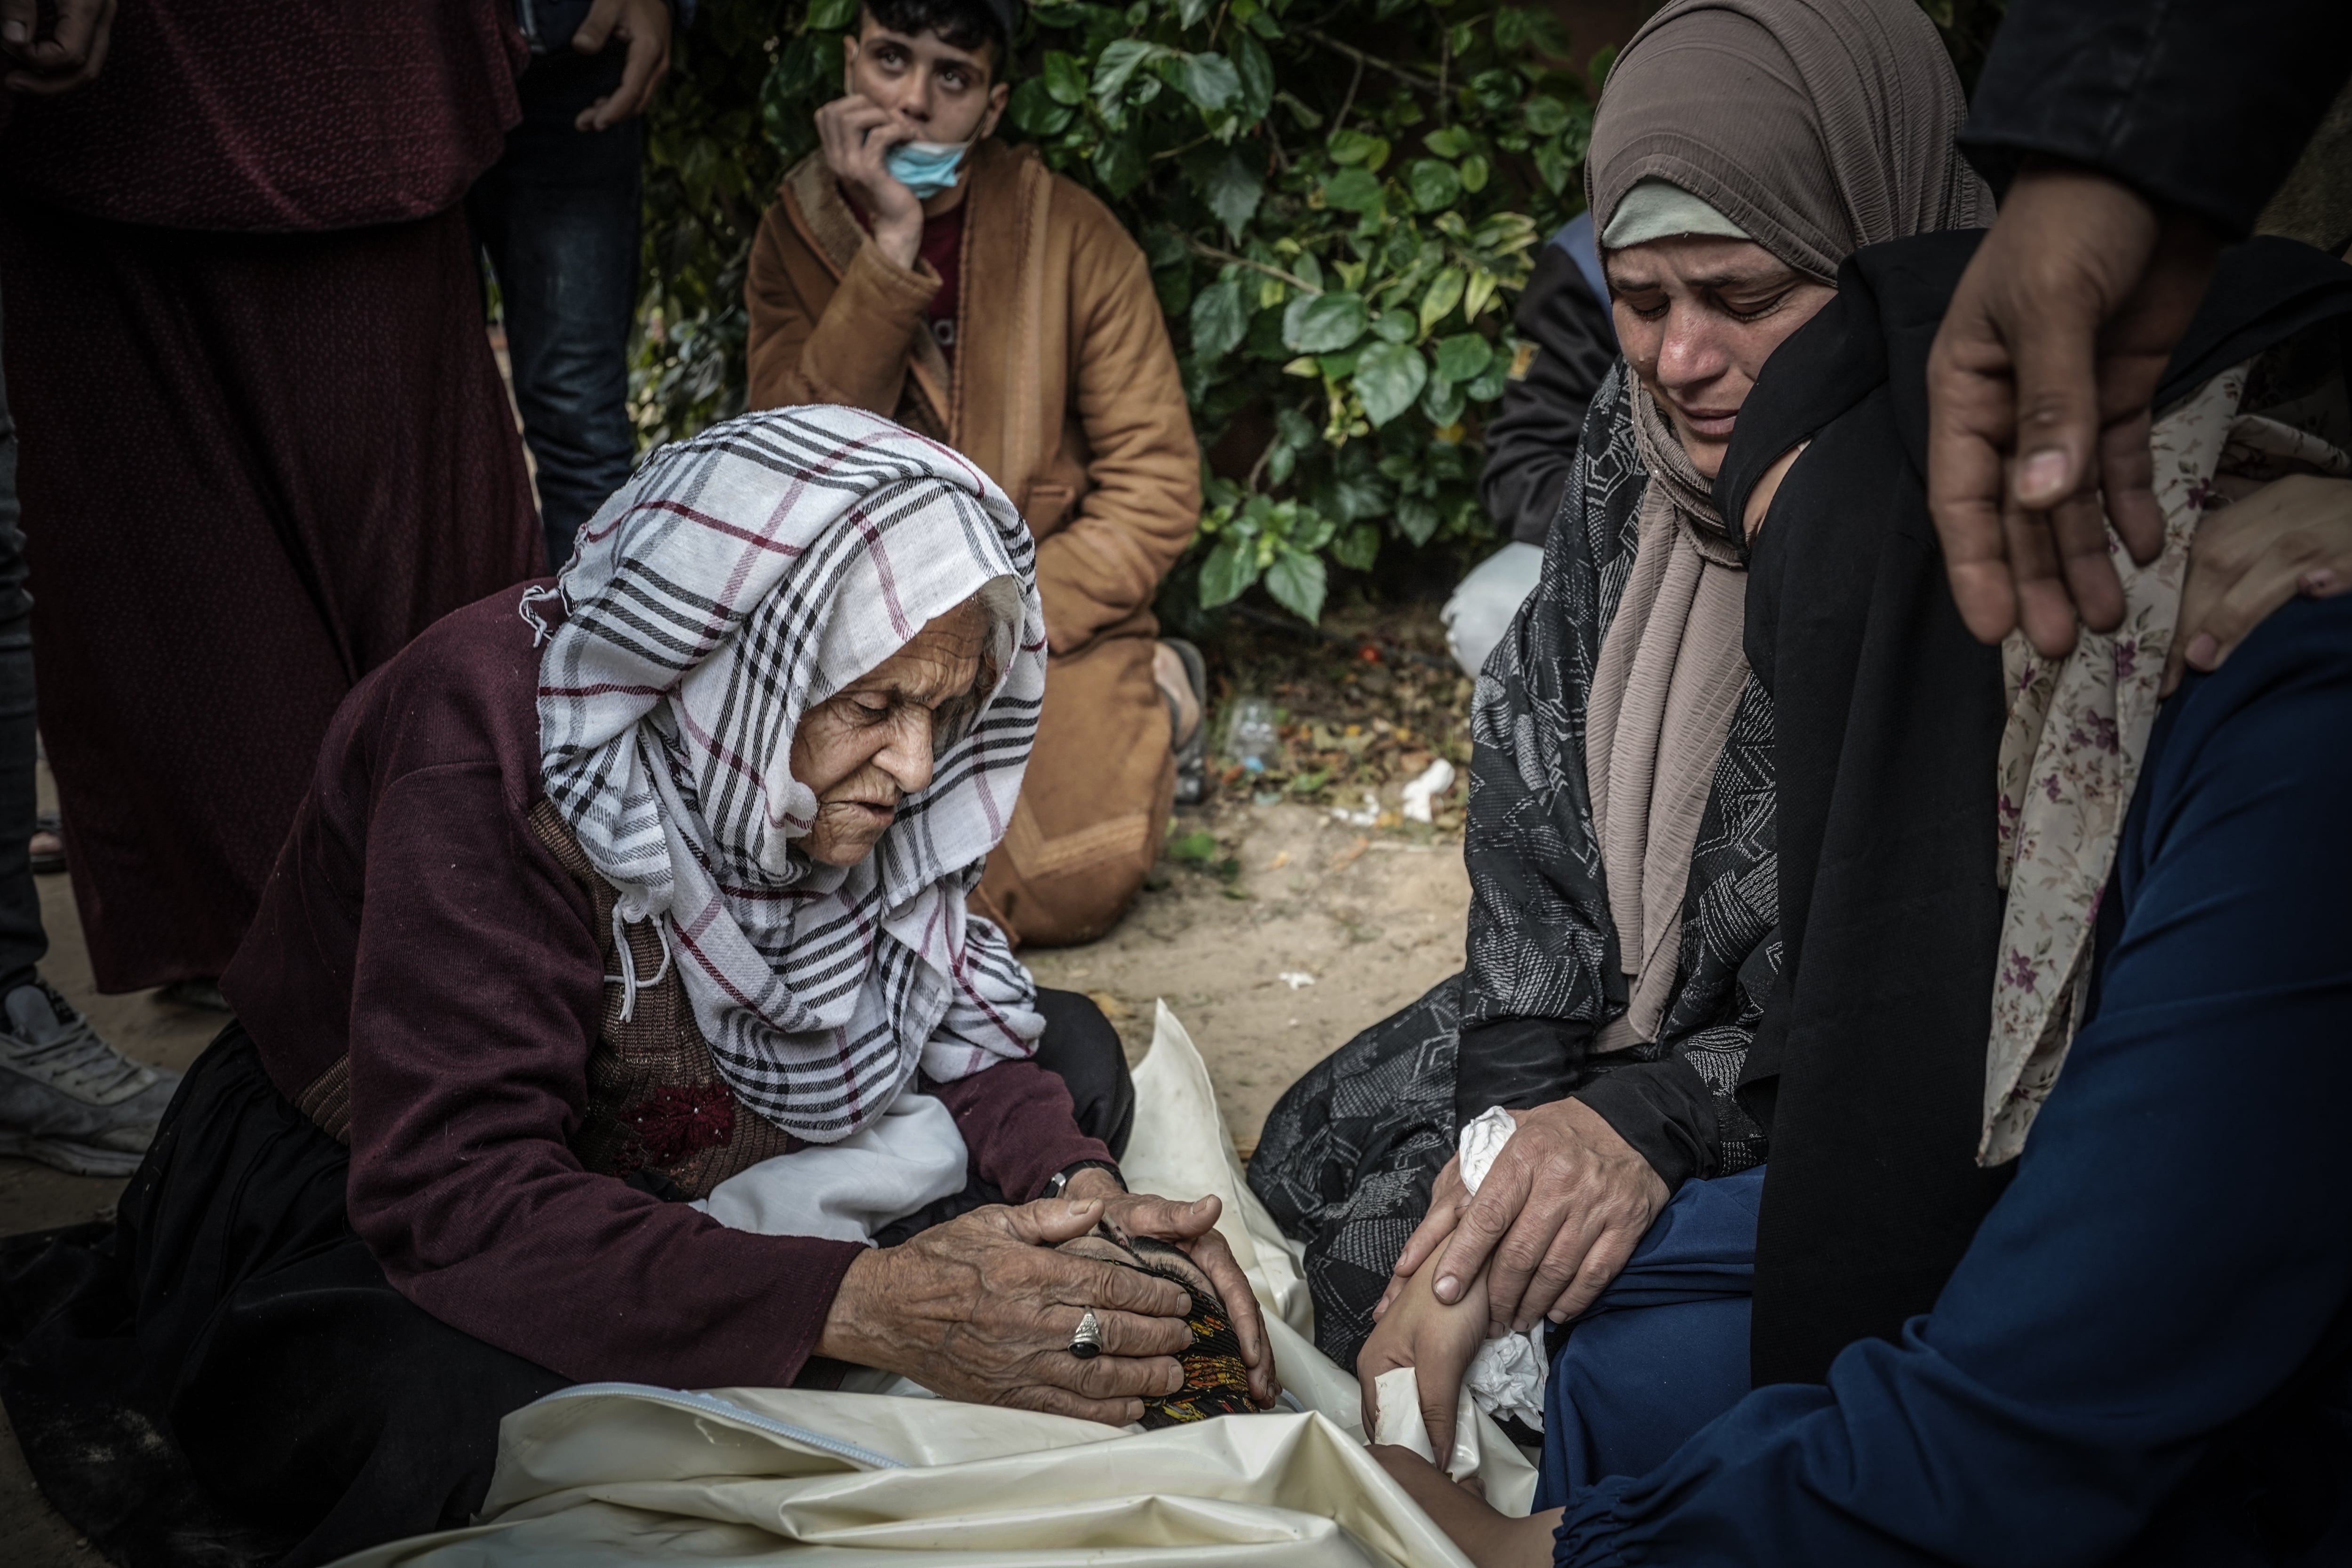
1087,1342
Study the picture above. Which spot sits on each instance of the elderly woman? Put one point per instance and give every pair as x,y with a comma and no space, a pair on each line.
614,914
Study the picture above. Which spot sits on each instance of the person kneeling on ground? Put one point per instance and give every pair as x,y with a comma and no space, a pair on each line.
623,922
919,268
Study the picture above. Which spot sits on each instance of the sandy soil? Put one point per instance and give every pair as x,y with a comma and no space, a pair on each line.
1317,931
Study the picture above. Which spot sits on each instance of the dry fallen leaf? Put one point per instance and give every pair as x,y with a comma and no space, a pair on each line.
1112,1007
1351,855
1280,861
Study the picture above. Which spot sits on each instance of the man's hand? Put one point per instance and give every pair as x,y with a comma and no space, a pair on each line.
1564,1205
982,1309
1436,1341
855,132
71,54
2292,536
644,25
1193,1227
2038,393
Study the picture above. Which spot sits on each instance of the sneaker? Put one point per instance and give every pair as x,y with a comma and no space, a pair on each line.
67,1098
1193,752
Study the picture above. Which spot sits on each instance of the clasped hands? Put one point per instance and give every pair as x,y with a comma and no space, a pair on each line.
1561,1209
982,1309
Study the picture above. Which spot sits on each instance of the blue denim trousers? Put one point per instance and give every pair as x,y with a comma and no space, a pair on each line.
22,940
559,215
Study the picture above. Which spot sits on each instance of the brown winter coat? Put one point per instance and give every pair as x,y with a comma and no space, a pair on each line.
1064,390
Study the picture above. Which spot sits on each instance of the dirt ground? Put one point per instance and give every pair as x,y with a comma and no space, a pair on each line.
1274,931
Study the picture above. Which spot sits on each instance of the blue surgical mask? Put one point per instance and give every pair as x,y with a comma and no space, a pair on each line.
926,168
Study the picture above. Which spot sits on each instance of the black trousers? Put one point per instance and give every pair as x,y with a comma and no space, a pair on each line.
224,1375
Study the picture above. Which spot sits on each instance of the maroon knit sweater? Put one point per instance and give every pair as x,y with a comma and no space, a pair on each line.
416,922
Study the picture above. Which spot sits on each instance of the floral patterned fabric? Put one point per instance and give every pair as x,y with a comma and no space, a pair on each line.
2077,730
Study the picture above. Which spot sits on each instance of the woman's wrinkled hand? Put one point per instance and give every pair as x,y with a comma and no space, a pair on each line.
1436,1341
981,1309
2293,536
1193,1227
1562,1208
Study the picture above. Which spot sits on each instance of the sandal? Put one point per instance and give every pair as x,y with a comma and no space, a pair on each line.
1193,756
47,845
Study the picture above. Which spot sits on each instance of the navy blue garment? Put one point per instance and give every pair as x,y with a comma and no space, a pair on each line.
1664,1351
560,214
2142,1358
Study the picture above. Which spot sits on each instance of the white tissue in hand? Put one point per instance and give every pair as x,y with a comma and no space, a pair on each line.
1482,1140
1506,1376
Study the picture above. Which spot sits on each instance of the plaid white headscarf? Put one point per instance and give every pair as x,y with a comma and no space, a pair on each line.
740,579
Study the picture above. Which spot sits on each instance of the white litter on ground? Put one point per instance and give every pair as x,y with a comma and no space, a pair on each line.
1420,795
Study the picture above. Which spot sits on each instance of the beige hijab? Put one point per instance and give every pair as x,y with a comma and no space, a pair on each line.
1819,126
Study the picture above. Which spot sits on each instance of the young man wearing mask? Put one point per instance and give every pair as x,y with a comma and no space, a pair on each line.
919,268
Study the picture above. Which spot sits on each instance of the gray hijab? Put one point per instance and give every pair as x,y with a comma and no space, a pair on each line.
1819,126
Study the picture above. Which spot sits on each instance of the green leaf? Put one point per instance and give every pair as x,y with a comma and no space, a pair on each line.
1256,69
1395,326
1036,112
1116,65
1352,189
1441,403
1065,77
832,15
1415,518
1189,12
1357,147
1323,323
1544,116
1163,247
1448,142
1118,161
1228,572
1295,428
1198,846
1338,367
1233,189
1435,185
1477,293
1444,292
1281,462
1211,81
1351,496
1462,356
1389,377
1473,174
1552,163
1359,547
1218,320
1298,583
1489,386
